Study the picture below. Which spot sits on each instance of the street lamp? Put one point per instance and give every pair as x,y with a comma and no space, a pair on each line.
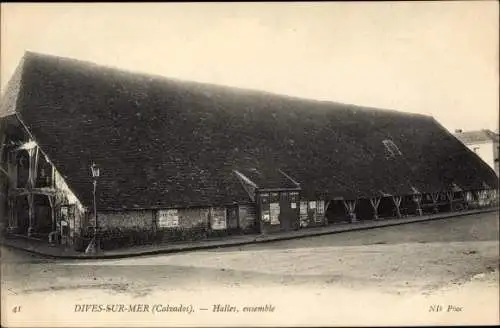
94,245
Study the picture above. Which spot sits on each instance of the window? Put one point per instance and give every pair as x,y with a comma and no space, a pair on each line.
391,148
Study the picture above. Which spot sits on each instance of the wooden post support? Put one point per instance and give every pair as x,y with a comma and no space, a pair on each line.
350,206
209,221
489,197
397,202
31,214
468,199
326,205
52,212
33,156
12,217
3,138
494,196
417,198
479,195
325,219
449,195
435,197
375,201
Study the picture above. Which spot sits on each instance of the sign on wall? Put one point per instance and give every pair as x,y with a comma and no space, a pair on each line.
274,213
218,218
303,208
266,216
320,206
168,219
304,222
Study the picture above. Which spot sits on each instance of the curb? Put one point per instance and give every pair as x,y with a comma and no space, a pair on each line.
255,240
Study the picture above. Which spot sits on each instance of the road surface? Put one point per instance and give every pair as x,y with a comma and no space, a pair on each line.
443,271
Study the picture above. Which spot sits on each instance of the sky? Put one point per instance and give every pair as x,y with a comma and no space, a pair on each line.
434,58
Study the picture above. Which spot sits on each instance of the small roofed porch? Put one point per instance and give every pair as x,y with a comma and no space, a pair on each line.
277,198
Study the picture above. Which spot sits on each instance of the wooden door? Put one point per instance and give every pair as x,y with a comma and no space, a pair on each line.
289,217
232,219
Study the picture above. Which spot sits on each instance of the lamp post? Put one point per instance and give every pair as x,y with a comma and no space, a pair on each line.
94,245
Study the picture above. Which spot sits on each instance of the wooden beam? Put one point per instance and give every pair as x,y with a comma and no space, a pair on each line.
52,211
278,189
31,213
27,146
350,206
35,169
397,202
289,177
417,198
12,218
449,195
3,137
435,196
245,178
35,191
375,201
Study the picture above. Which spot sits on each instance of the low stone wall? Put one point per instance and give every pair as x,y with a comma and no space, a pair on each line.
182,224
116,229
127,220
135,227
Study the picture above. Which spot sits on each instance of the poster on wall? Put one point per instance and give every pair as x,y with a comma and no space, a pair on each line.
266,216
218,218
275,213
304,222
303,208
320,207
168,219
320,211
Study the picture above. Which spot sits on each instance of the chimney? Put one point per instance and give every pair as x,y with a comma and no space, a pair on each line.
458,131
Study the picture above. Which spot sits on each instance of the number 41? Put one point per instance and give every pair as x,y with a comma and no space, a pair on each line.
16,309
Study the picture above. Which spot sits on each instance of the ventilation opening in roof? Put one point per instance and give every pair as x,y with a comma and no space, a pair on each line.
391,148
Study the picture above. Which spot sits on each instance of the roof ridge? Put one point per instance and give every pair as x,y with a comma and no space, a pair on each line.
229,88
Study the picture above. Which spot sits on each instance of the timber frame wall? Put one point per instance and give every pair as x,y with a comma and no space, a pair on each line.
35,195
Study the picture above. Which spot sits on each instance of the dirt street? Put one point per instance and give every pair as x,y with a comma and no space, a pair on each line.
441,272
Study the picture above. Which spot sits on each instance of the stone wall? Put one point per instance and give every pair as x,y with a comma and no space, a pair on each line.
127,228
126,220
182,224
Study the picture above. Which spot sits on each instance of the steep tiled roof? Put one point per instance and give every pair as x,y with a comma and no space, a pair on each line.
166,143
9,97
